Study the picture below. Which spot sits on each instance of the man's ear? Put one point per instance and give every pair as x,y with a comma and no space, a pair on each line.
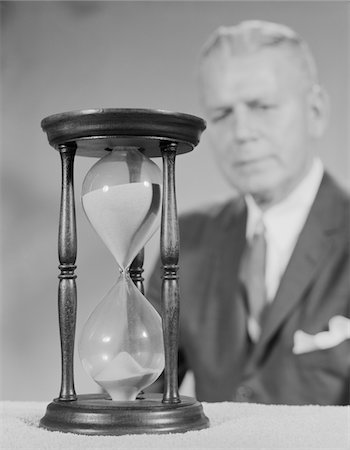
319,106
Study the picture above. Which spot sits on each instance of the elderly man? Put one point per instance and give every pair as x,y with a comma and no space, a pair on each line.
265,277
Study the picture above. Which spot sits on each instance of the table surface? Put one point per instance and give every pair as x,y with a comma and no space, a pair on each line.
233,425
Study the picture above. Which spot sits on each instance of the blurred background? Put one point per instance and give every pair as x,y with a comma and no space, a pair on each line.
60,56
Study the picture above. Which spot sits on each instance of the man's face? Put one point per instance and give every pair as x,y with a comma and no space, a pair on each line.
262,119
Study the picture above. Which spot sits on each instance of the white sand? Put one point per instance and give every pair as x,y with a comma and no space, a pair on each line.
123,378
121,367
125,217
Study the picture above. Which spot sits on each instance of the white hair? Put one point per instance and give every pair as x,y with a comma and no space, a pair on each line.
254,35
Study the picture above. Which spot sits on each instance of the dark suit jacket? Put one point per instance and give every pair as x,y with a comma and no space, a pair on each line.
315,287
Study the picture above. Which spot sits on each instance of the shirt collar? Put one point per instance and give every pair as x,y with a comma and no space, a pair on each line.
291,212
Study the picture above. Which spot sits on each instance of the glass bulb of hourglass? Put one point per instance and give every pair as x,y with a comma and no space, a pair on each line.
121,196
121,345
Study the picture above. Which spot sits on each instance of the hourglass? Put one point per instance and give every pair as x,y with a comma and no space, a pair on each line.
121,346
125,345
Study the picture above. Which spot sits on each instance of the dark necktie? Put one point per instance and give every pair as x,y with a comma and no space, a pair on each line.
252,276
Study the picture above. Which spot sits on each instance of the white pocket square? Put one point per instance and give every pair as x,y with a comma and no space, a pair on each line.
339,331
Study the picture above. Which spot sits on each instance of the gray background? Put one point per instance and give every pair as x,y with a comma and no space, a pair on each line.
59,56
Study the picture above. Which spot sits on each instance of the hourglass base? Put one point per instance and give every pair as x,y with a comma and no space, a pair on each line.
95,414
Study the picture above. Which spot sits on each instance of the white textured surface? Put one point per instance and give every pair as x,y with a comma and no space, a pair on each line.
233,426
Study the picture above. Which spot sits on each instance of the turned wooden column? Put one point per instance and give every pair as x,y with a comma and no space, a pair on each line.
169,249
67,252
136,267
136,271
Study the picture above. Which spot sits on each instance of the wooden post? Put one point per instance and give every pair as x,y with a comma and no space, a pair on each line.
169,249
134,163
136,271
67,252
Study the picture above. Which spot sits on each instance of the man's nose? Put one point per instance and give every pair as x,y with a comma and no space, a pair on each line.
242,125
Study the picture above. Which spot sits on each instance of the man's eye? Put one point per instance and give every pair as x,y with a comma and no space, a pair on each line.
221,115
260,106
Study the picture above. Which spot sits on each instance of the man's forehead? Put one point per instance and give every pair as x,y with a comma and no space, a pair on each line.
266,69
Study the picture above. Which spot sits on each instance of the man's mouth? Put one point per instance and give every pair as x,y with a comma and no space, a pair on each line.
251,161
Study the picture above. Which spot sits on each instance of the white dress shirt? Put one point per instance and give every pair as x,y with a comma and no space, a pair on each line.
283,223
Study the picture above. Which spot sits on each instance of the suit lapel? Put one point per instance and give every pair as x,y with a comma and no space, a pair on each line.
231,331
307,259
228,247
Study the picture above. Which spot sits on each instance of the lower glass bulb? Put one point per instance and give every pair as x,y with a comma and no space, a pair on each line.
121,345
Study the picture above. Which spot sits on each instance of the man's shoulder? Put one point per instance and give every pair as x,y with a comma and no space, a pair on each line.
334,198
206,218
213,212
330,214
334,188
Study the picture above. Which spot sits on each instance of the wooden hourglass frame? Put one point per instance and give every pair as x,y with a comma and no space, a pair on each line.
91,133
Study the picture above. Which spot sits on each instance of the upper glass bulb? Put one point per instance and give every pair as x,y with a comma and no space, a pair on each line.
121,196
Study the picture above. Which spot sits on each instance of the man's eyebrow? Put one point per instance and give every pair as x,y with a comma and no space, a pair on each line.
222,109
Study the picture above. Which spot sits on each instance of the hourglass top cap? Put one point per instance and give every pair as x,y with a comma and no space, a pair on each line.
93,131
